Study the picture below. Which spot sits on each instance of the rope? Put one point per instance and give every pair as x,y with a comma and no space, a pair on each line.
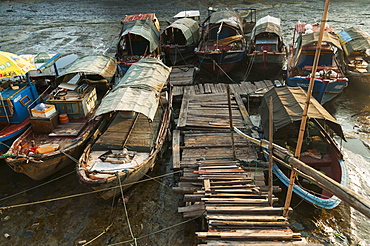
109,226
69,156
124,205
37,186
164,229
80,194
249,67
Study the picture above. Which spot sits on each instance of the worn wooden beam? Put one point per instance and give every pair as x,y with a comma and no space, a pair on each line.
176,149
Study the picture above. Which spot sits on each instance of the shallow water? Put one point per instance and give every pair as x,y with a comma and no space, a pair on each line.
29,27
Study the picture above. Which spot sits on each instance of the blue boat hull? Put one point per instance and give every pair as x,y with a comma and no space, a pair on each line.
322,92
328,203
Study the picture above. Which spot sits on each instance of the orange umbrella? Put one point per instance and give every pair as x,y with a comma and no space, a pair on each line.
12,65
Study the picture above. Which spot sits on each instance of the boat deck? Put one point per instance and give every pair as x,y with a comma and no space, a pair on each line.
229,192
135,134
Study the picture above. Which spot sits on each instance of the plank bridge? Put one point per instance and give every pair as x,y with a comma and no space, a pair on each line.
225,185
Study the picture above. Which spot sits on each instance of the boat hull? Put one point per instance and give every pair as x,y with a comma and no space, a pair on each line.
178,54
322,92
359,81
41,166
265,66
11,132
220,63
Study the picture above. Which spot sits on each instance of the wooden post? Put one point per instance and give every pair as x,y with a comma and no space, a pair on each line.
271,139
231,121
307,104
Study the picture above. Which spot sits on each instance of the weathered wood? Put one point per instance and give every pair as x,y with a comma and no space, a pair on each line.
176,149
247,224
184,108
246,217
245,210
250,234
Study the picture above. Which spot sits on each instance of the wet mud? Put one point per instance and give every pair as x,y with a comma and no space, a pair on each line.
86,27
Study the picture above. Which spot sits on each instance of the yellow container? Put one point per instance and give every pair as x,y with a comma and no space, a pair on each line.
45,149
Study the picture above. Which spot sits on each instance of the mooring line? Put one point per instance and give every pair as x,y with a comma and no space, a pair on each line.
81,194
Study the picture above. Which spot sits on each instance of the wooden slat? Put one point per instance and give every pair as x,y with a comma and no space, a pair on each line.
184,108
176,149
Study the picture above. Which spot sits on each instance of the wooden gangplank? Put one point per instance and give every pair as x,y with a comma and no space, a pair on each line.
246,88
230,194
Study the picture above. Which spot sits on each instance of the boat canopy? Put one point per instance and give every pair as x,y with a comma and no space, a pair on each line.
144,28
355,40
328,37
102,65
228,17
267,24
188,27
138,90
288,107
194,14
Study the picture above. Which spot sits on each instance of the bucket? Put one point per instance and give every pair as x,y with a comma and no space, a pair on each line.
63,119
127,114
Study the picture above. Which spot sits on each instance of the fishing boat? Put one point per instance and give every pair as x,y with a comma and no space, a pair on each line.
329,76
61,127
18,93
139,37
356,45
319,149
222,45
179,39
140,109
267,52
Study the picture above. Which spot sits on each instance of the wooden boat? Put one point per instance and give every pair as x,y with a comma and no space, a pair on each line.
179,39
330,79
319,150
139,38
267,52
128,148
356,45
59,133
222,46
18,93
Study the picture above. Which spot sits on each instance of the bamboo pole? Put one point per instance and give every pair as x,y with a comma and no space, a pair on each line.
231,121
356,201
271,139
307,104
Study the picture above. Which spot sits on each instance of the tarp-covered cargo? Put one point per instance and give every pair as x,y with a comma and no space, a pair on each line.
138,90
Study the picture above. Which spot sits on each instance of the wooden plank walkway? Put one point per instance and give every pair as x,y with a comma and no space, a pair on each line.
229,193
245,89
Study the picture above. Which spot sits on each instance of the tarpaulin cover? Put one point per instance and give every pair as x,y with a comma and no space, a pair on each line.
331,38
288,107
138,90
268,24
102,65
144,28
189,28
229,17
355,39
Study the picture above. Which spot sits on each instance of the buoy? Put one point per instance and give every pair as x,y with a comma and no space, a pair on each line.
63,119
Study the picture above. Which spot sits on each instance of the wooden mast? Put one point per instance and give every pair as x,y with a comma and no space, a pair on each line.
307,103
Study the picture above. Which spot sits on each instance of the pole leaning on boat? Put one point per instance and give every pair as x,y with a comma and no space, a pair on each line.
307,103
